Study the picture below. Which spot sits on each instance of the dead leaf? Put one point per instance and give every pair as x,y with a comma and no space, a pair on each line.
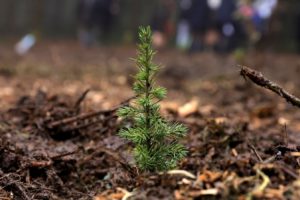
207,109
6,91
209,176
188,108
295,154
221,120
182,172
207,192
170,106
274,193
178,195
120,194
95,97
234,152
283,121
263,111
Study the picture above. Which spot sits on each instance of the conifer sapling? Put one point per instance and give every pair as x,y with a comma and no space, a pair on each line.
155,140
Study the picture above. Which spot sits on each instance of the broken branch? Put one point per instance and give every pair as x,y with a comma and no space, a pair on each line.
260,80
84,116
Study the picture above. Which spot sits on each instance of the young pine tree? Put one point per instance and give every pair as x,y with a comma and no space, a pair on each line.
155,139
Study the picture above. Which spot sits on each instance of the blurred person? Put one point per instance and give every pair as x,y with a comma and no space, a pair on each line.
224,32
212,35
183,37
162,23
198,20
263,10
245,14
245,9
230,29
25,44
256,15
95,17
214,26
86,21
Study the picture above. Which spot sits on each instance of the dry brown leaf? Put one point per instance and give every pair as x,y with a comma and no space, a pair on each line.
186,181
122,80
283,121
6,91
170,106
263,111
207,109
295,154
120,194
115,196
207,192
178,195
234,152
209,176
95,97
274,193
182,172
221,120
188,108
295,189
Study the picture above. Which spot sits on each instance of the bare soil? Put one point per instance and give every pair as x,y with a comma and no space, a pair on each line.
59,129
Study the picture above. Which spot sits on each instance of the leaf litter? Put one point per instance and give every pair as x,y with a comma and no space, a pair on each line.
242,144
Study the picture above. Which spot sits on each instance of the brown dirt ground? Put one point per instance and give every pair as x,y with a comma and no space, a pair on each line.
227,117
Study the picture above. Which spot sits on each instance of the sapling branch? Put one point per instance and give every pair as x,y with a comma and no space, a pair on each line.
262,81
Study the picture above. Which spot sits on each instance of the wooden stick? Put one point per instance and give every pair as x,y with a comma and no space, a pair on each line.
255,152
81,98
83,116
260,80
78,117
63,155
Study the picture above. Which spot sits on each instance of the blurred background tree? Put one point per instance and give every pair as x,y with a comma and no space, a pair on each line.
57,18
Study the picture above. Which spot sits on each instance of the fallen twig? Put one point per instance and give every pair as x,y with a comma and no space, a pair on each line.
86,124
255,152
47,162
9,181
115,156
181,172
84,116
289,171
80,99
260,80
40,164
63,155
